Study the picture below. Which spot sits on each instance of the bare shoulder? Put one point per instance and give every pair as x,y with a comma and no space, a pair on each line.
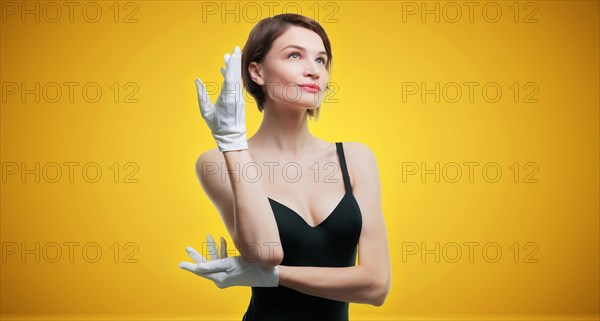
360,160
357,148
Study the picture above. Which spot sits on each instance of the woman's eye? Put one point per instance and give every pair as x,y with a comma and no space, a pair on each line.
296,54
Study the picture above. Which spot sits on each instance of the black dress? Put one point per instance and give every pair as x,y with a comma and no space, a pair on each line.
332,243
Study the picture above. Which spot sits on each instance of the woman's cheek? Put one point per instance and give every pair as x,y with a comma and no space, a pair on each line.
292,93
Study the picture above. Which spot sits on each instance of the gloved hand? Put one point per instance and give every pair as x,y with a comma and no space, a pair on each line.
227,271
227,117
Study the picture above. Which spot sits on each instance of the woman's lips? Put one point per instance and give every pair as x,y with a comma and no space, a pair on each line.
310,89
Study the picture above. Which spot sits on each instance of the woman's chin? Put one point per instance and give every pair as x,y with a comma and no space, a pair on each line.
310,104
304,104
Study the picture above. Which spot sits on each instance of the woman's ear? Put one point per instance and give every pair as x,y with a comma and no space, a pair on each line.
256,73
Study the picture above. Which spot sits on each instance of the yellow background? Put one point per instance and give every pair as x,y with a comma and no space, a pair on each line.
375,52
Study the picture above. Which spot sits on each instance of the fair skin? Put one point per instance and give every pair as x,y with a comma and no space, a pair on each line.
283,137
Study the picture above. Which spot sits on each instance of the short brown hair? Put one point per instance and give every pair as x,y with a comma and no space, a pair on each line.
261,40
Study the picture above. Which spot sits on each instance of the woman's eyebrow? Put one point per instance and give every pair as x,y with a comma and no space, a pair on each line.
300,48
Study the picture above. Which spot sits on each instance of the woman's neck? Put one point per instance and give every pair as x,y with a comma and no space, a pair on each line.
284,132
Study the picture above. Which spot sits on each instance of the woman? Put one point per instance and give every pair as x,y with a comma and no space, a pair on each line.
299,258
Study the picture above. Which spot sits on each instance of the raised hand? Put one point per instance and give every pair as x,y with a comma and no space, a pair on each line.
227,117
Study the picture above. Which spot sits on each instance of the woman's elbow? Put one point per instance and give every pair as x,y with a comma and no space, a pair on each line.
380,292
273,259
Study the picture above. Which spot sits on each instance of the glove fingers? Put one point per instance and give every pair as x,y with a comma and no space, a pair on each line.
212,248
187,266
203,99
238,64
219,265
197,257
223,248
226,58
230,69
205,268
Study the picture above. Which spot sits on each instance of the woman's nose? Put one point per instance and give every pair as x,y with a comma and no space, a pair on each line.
312,70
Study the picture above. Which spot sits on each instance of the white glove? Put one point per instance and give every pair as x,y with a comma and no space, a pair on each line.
227,118
227,271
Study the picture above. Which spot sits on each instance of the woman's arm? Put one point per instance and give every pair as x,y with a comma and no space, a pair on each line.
242,203
370,281
349,284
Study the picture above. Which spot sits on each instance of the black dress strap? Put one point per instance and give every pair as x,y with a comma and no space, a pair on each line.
340,150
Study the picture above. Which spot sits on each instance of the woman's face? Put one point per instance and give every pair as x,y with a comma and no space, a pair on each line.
297,58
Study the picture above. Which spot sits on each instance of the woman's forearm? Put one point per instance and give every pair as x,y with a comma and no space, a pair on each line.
350,284
255,226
